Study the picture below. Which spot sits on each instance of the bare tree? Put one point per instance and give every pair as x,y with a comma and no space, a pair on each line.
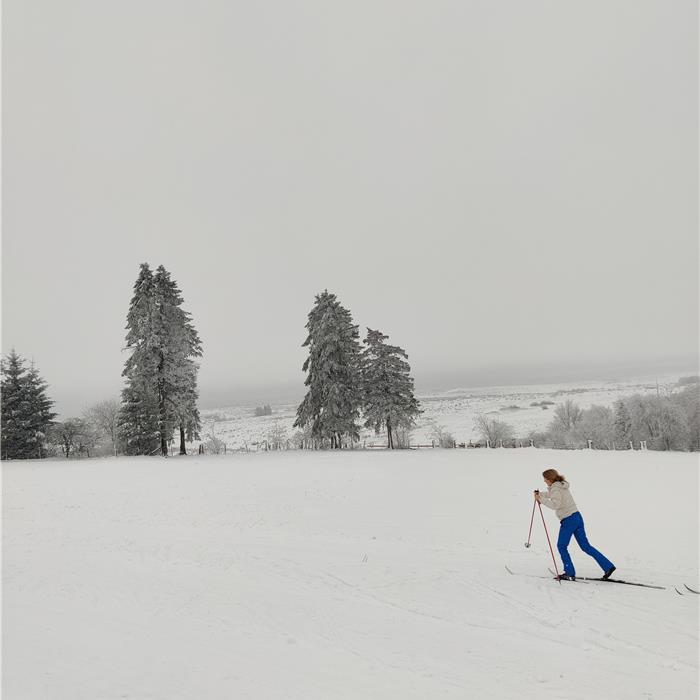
674,432
402,437
493,430
568,414
440,435
73,435
304,439
597,424
214,445
104,417
276,436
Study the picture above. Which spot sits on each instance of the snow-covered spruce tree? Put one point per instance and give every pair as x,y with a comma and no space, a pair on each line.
26,410
387,387
177,372
622,424
138,417
332,403
187,414
41,405
161,389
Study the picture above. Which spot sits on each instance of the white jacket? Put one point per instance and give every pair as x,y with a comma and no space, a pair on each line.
560,499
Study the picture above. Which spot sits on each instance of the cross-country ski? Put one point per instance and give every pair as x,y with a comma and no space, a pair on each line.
609,580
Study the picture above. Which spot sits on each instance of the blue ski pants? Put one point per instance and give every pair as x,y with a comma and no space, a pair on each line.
573,526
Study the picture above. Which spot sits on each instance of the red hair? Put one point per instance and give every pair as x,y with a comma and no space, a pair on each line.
553,475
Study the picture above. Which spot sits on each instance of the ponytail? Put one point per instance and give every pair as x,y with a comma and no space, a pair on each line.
553,475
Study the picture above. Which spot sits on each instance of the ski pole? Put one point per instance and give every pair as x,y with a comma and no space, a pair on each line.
534,503
549,542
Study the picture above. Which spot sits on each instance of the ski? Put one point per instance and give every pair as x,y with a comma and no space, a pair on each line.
517,573
692,590
626,583
677,591
615,580
546,578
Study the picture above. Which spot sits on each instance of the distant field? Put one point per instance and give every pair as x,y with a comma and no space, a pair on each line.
237,425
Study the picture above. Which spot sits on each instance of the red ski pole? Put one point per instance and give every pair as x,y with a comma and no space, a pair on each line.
534,503
549,542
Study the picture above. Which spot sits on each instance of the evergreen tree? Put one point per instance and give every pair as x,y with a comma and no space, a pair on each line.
178,341
138,419
26,410
622,423
388,398
188,418
161,391
41,414
332,402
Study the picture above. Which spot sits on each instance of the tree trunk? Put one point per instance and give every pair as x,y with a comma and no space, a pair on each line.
162,411
183,451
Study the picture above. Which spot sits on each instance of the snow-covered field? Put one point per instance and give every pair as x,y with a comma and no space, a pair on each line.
345,575
455,410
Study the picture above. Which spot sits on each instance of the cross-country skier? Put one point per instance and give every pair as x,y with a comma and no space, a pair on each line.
558,497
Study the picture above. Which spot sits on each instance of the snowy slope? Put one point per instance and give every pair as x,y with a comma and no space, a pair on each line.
348,575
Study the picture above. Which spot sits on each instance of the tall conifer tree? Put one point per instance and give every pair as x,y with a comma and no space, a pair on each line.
161,391
177,373
138,420
332,402
388,394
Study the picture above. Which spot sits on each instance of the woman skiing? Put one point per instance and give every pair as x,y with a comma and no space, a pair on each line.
558,497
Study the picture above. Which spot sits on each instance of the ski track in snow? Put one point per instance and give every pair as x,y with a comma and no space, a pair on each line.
349,575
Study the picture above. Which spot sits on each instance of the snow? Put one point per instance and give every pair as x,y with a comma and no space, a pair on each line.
363,574
455,409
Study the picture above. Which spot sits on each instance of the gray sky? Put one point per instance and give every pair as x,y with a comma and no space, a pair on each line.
495,185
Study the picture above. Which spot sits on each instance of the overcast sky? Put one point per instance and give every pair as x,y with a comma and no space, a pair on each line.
496,185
